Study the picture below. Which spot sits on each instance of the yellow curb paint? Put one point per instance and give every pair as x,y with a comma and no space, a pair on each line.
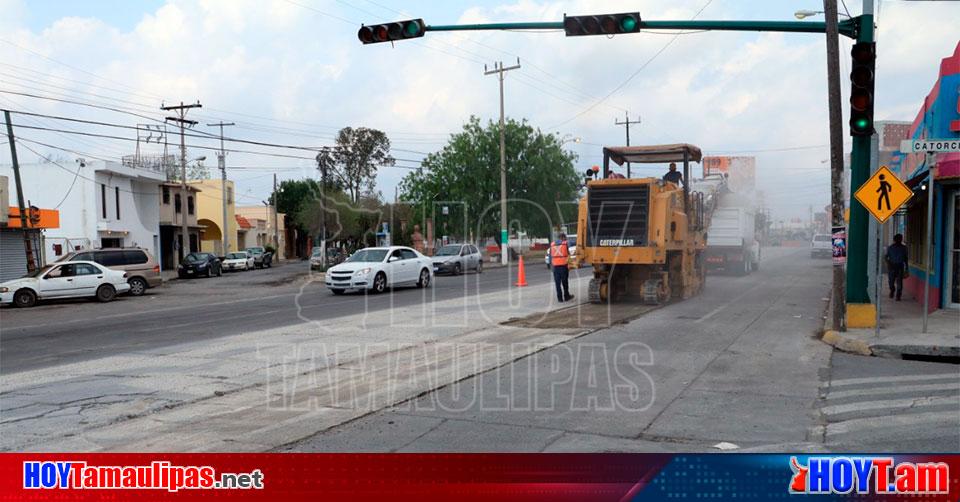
861,315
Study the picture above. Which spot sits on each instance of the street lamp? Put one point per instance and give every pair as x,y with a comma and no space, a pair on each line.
804,13
569,138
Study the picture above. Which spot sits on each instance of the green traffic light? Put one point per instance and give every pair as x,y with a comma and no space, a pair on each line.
861,123
412,28
628,24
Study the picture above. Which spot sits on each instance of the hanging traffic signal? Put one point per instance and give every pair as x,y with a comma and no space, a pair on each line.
861,88
390,32
604,24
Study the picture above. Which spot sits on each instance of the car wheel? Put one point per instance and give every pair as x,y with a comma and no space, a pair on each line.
380,283
338,291
24,298
457,269
424,279
106,293
138,286
219,271
209,272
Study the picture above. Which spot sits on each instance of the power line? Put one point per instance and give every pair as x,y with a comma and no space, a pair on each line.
633,75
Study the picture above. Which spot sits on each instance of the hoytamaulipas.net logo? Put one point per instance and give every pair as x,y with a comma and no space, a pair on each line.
159,475
864,475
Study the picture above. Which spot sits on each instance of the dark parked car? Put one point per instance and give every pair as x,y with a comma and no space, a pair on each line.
261,257
196,264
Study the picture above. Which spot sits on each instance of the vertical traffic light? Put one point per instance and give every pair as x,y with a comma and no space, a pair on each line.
861,88
390,32
604,24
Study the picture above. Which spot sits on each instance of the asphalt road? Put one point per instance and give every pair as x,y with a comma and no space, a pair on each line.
67,331
739,365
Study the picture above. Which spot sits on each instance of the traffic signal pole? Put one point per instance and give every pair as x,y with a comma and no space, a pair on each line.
848,27
857,231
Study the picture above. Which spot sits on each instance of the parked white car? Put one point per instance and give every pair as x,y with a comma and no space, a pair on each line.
456,259
65,280
376,269
240,260
821,246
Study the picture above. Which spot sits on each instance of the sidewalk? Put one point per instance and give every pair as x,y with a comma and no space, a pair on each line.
901,326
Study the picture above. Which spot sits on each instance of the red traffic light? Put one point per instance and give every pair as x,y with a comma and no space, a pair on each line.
390,32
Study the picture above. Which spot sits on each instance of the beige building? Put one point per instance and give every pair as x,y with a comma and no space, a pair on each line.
210,216
260,230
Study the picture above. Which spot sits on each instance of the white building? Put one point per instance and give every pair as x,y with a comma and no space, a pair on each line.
101,204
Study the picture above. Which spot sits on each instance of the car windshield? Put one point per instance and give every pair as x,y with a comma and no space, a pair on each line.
822,238
255,251
237,256
368,255
572,240
317,252
194,258
451,250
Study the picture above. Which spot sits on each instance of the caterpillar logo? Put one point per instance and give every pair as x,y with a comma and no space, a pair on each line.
616,242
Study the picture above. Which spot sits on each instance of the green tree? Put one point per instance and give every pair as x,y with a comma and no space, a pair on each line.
353,162
542,182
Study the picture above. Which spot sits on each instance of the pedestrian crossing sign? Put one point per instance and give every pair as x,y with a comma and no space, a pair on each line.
883,194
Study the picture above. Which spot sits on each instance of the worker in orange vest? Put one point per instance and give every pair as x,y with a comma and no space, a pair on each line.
559,257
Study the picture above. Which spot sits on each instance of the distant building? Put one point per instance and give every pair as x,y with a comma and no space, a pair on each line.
175,205
101,204
210,216
261,231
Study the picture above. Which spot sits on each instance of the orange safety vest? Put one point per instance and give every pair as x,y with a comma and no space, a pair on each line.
559,254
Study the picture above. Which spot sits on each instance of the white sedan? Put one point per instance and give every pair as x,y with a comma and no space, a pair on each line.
376,269
241,260
65,280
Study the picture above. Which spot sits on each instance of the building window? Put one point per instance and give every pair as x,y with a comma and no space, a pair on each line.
58,249
176,203
103,200
189,204
116,195
166,195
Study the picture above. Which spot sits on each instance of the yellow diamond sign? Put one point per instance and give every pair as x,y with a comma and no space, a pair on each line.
883,194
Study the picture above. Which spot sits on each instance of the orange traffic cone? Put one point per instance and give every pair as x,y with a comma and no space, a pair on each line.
521,274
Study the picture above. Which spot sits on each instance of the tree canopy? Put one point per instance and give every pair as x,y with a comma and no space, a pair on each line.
542,182
353,162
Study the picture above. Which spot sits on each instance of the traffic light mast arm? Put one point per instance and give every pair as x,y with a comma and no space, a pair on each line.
848,27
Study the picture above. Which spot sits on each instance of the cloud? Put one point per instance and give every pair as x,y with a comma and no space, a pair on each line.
290,74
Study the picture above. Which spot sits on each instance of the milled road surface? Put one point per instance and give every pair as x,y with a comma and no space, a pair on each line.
739,364
67,331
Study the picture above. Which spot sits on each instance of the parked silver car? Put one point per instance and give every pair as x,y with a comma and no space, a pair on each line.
456,259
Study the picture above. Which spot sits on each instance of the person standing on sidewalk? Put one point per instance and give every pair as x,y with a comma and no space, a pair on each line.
559,258
896,265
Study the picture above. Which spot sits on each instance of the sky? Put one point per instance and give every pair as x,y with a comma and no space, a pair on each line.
292,72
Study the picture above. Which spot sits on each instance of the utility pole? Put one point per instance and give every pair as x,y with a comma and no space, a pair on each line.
504,234
276,229
836,156
222,162
181,119
322,165
27,245
627,123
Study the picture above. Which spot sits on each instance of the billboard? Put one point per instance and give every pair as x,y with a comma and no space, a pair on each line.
741,171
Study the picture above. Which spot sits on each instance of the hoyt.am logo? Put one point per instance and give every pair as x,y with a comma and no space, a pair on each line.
877,475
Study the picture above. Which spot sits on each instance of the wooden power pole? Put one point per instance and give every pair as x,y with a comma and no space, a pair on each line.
181,119
27,245
499,69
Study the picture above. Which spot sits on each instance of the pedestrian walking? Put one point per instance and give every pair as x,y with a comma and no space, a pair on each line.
559,258
896,265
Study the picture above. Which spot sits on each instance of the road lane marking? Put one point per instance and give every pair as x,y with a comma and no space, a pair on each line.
894,390
894,404
890,379
892,421
717,310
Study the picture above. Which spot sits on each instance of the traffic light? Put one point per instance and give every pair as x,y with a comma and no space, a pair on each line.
861,88
604,24
390,32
